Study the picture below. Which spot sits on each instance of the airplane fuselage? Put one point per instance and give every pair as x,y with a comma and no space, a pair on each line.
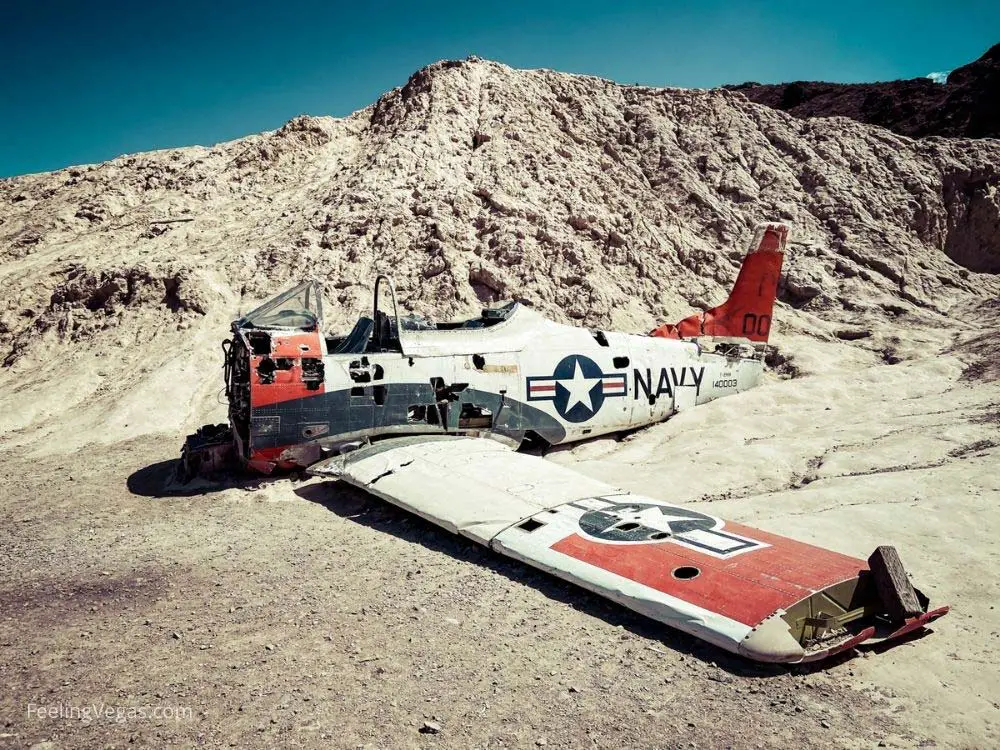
524,377
296,395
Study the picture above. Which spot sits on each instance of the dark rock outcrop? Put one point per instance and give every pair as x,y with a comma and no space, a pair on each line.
967,105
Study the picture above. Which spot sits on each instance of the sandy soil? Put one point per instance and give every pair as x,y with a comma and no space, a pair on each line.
302,613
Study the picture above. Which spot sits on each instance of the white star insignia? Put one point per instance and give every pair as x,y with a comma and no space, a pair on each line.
579,388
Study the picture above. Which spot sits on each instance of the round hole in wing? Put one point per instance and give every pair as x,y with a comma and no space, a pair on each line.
686,572
659,535
627,526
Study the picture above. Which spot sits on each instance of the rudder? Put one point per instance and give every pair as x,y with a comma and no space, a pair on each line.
747,312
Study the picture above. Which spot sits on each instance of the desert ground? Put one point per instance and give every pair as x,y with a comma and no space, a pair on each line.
295,612
301,613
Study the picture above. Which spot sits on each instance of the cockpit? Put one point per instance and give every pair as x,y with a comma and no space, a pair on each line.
380,333
301,309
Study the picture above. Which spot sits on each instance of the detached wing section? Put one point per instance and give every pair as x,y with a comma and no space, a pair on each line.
760,595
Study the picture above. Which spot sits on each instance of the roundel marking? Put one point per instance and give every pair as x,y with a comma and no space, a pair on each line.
642,522
577,387
608,520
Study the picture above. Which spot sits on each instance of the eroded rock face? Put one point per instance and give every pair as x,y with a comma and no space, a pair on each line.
966,105
973,202
608,205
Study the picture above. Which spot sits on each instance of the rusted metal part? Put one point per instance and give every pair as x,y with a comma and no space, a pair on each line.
208,452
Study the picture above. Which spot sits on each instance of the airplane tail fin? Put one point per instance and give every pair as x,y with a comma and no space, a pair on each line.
747,312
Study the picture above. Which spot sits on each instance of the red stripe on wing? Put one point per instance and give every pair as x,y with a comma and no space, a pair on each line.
746,588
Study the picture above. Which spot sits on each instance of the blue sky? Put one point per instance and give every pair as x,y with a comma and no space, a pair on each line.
82,82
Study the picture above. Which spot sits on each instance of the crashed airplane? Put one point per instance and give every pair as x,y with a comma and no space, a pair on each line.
428,416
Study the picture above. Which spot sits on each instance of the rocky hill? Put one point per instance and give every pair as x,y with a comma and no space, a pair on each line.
605,204
967,105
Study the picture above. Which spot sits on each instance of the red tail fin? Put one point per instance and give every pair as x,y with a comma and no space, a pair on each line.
747,312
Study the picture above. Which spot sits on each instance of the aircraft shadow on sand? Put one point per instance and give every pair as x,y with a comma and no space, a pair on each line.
159,481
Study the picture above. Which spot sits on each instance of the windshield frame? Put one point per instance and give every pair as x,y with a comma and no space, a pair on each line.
310,294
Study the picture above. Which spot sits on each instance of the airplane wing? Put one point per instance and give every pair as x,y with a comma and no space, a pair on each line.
757,594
